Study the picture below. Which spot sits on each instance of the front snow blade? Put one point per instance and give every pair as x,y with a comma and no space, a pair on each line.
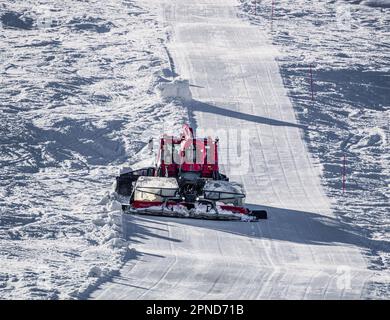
159,212
215,216
179,211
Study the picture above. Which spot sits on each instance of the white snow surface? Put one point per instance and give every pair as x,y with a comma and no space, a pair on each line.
304,250
77,100
79,97
176,89
348,49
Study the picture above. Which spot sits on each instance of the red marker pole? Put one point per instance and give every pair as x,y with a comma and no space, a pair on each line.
311,83
344,173
272,16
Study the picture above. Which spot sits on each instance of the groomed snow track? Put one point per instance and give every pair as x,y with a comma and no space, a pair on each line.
301,251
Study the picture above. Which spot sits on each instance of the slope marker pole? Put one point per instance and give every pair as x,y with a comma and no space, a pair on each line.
272,16
311,83
344,173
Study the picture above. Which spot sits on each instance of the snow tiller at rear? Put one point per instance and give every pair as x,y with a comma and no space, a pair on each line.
185,182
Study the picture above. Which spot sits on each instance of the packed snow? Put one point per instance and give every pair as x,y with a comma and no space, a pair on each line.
340,49
83,89
176,89
305,249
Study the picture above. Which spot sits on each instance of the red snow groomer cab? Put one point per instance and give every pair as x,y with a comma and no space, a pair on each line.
186,182
188,154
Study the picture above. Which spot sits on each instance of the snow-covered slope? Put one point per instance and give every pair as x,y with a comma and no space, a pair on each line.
303,250
347,50
76,100
80,95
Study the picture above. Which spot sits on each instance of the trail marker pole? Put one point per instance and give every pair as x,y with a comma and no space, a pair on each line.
311,83
272,16
344,172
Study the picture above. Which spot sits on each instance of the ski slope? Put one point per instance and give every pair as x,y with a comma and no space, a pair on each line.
301,251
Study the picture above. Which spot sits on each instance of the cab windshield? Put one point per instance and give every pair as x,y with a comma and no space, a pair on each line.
171,153
193,154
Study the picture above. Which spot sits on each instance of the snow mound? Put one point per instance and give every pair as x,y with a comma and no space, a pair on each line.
372,137
99,222
115,219
176,89
105,200
117,243
95,272
114,206
110,247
